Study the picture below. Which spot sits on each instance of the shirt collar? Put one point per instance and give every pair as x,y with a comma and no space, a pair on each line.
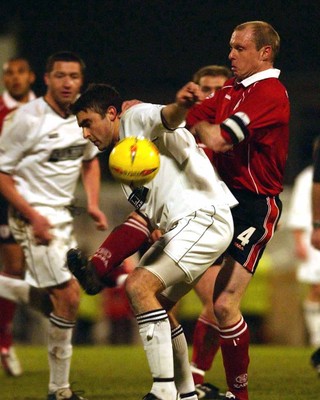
259,76
10,102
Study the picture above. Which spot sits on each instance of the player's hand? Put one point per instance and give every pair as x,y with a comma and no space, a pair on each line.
99,217
155,235
301,251
188,95
41,227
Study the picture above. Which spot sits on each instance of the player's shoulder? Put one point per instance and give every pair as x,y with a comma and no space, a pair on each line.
141,108
141,114
271,87
33,109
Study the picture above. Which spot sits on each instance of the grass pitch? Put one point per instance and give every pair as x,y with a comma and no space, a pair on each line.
121,372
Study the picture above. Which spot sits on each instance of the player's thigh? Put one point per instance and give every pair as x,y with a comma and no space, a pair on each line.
204,287
156,261
231,283
167,272
197,240
46,265
255,221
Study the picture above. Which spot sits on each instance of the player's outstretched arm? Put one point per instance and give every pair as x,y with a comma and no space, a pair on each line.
91,182
174,114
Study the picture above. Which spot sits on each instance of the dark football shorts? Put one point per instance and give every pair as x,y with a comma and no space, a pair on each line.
5,233
255,221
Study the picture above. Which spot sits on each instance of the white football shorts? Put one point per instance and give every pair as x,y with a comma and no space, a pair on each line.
46,265
184,253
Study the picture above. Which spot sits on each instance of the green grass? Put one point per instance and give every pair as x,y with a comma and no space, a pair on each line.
121,372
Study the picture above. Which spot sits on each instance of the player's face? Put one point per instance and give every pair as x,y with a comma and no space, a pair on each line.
245,59
17,79
209,84
100,130
64,82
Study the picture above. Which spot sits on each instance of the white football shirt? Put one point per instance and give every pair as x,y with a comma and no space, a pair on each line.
43,152
186,180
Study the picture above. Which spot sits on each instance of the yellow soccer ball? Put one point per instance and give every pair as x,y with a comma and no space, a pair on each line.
134,161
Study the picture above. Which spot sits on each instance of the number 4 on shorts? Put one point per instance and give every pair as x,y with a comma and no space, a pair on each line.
246,235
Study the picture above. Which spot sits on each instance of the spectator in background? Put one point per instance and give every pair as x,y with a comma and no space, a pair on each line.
42,154
18,78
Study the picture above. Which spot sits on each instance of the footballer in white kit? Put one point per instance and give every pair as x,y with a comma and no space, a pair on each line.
44,153
185,185
308,271
189,204
300,218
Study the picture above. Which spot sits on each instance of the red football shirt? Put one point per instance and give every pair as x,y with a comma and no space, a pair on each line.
4,110
261,104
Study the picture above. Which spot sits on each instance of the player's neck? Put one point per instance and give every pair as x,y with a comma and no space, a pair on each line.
60,109
21,99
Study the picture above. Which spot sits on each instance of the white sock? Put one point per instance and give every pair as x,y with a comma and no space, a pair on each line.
182,371
59,352
16,290
311,312
155,332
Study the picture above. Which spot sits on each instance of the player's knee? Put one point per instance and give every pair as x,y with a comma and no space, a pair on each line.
66,300
133,286
222,310
138,288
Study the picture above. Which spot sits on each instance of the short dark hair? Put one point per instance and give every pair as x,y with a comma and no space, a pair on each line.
16,58
67,56
98,97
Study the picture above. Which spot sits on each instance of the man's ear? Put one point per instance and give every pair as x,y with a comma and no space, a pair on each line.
112,113
266,53
46,78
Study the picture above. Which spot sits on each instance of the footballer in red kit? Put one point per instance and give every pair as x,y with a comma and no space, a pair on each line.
246,124
256,163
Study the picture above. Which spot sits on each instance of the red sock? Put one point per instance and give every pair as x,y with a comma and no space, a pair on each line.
235,352
206,343
7,310
123,241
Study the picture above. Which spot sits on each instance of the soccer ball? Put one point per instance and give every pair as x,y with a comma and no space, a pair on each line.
134,161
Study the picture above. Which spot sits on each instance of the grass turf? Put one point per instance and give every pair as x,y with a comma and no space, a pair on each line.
121,372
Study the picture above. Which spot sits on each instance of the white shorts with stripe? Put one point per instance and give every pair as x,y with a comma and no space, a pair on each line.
46,265
184,253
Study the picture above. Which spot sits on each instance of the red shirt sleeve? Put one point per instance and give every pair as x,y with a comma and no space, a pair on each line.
205,111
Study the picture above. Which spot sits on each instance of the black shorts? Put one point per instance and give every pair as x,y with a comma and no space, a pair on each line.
255,221
5,233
